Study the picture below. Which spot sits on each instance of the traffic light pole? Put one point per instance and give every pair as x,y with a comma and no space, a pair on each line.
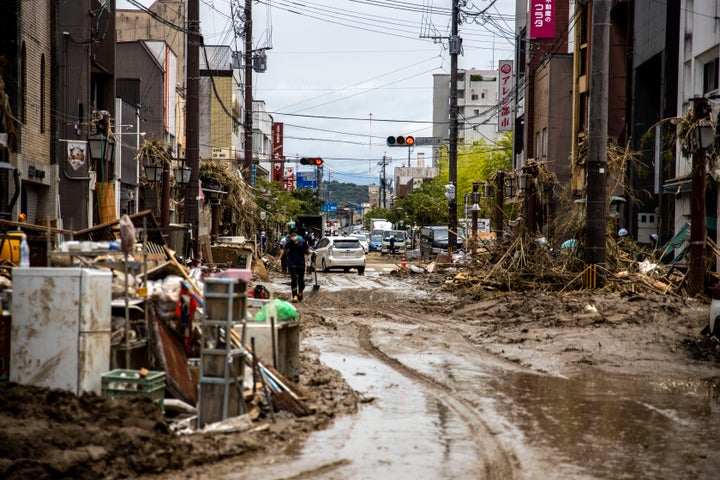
455,43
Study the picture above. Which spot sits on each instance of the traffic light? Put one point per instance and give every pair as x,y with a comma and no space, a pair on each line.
400,141
311,161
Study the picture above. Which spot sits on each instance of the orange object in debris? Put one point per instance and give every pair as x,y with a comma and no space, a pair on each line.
10,246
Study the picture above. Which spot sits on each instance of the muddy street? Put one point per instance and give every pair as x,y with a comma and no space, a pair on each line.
513,386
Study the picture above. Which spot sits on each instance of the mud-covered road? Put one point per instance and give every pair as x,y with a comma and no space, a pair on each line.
412,379
520,386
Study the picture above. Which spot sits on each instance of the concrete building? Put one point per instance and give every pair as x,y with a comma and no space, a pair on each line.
407,179
28,167
477,107
262,141
220,105
133,25
145,78
85,97
698,74
654,86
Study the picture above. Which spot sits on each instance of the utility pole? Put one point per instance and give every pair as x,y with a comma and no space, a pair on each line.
383,182
596,201
455,45
192,120
248,124
696,271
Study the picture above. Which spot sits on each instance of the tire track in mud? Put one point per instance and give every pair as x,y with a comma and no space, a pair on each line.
497,463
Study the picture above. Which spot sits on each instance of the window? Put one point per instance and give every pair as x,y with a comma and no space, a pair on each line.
476,111
347,244
474,96
484,93
537,143
710,76
544,142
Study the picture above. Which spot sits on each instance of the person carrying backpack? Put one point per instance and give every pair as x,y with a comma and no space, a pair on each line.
295,250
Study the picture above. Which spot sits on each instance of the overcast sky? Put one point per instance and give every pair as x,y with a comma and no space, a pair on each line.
342,75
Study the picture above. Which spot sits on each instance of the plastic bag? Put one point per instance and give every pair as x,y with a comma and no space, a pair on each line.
285,312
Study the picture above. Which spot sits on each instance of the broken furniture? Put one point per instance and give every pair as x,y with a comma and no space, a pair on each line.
221,361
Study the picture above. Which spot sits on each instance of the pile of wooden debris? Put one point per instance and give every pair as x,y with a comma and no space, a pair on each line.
521,263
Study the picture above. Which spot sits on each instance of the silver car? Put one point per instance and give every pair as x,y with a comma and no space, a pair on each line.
363,240
339,252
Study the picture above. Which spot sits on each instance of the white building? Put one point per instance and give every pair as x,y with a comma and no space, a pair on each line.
697,76
477,106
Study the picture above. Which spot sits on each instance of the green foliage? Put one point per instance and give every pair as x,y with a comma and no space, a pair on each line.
310,203
344,193
425,206
478,162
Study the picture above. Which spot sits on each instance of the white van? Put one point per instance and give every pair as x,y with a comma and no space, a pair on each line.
400,238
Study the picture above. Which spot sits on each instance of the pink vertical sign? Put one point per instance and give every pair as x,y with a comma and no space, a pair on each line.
541,19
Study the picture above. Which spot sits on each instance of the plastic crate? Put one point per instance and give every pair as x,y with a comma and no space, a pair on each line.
125,383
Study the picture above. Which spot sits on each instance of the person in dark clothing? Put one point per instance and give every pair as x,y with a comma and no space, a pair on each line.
295,251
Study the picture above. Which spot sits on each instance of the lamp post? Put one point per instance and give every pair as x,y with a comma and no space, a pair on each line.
161,174
475,209
499,202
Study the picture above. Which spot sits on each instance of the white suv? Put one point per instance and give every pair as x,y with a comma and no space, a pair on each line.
339,252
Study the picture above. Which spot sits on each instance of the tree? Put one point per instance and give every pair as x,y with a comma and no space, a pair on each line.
478,162
426,206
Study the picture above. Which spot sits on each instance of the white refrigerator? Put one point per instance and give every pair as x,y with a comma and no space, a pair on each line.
61,326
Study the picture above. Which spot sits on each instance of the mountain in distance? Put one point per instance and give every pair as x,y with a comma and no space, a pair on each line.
344,193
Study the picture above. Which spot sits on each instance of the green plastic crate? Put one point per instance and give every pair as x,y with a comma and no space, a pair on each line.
126,383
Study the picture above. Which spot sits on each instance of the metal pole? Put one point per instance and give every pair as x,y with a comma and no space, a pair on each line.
192,119
475,209
596,204
499,204
455,44
165,198
696,272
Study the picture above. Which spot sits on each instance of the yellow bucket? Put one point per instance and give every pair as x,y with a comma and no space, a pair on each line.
10,243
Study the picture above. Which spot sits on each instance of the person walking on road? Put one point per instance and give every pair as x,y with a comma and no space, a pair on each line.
294,252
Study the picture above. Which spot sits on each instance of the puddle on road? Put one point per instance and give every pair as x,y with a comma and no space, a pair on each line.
593,425
619,427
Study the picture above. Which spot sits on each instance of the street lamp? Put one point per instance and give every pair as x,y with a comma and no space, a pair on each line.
510,187
182,174
153,173
706,134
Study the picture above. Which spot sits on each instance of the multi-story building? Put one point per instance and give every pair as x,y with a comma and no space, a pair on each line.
698,74
220,105
84,99
165,23
654,96
477,106
262,141
145,78
28,169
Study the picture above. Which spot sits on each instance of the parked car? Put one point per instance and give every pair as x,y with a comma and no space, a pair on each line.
375,243
434,239
339,252
363,241
400,238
